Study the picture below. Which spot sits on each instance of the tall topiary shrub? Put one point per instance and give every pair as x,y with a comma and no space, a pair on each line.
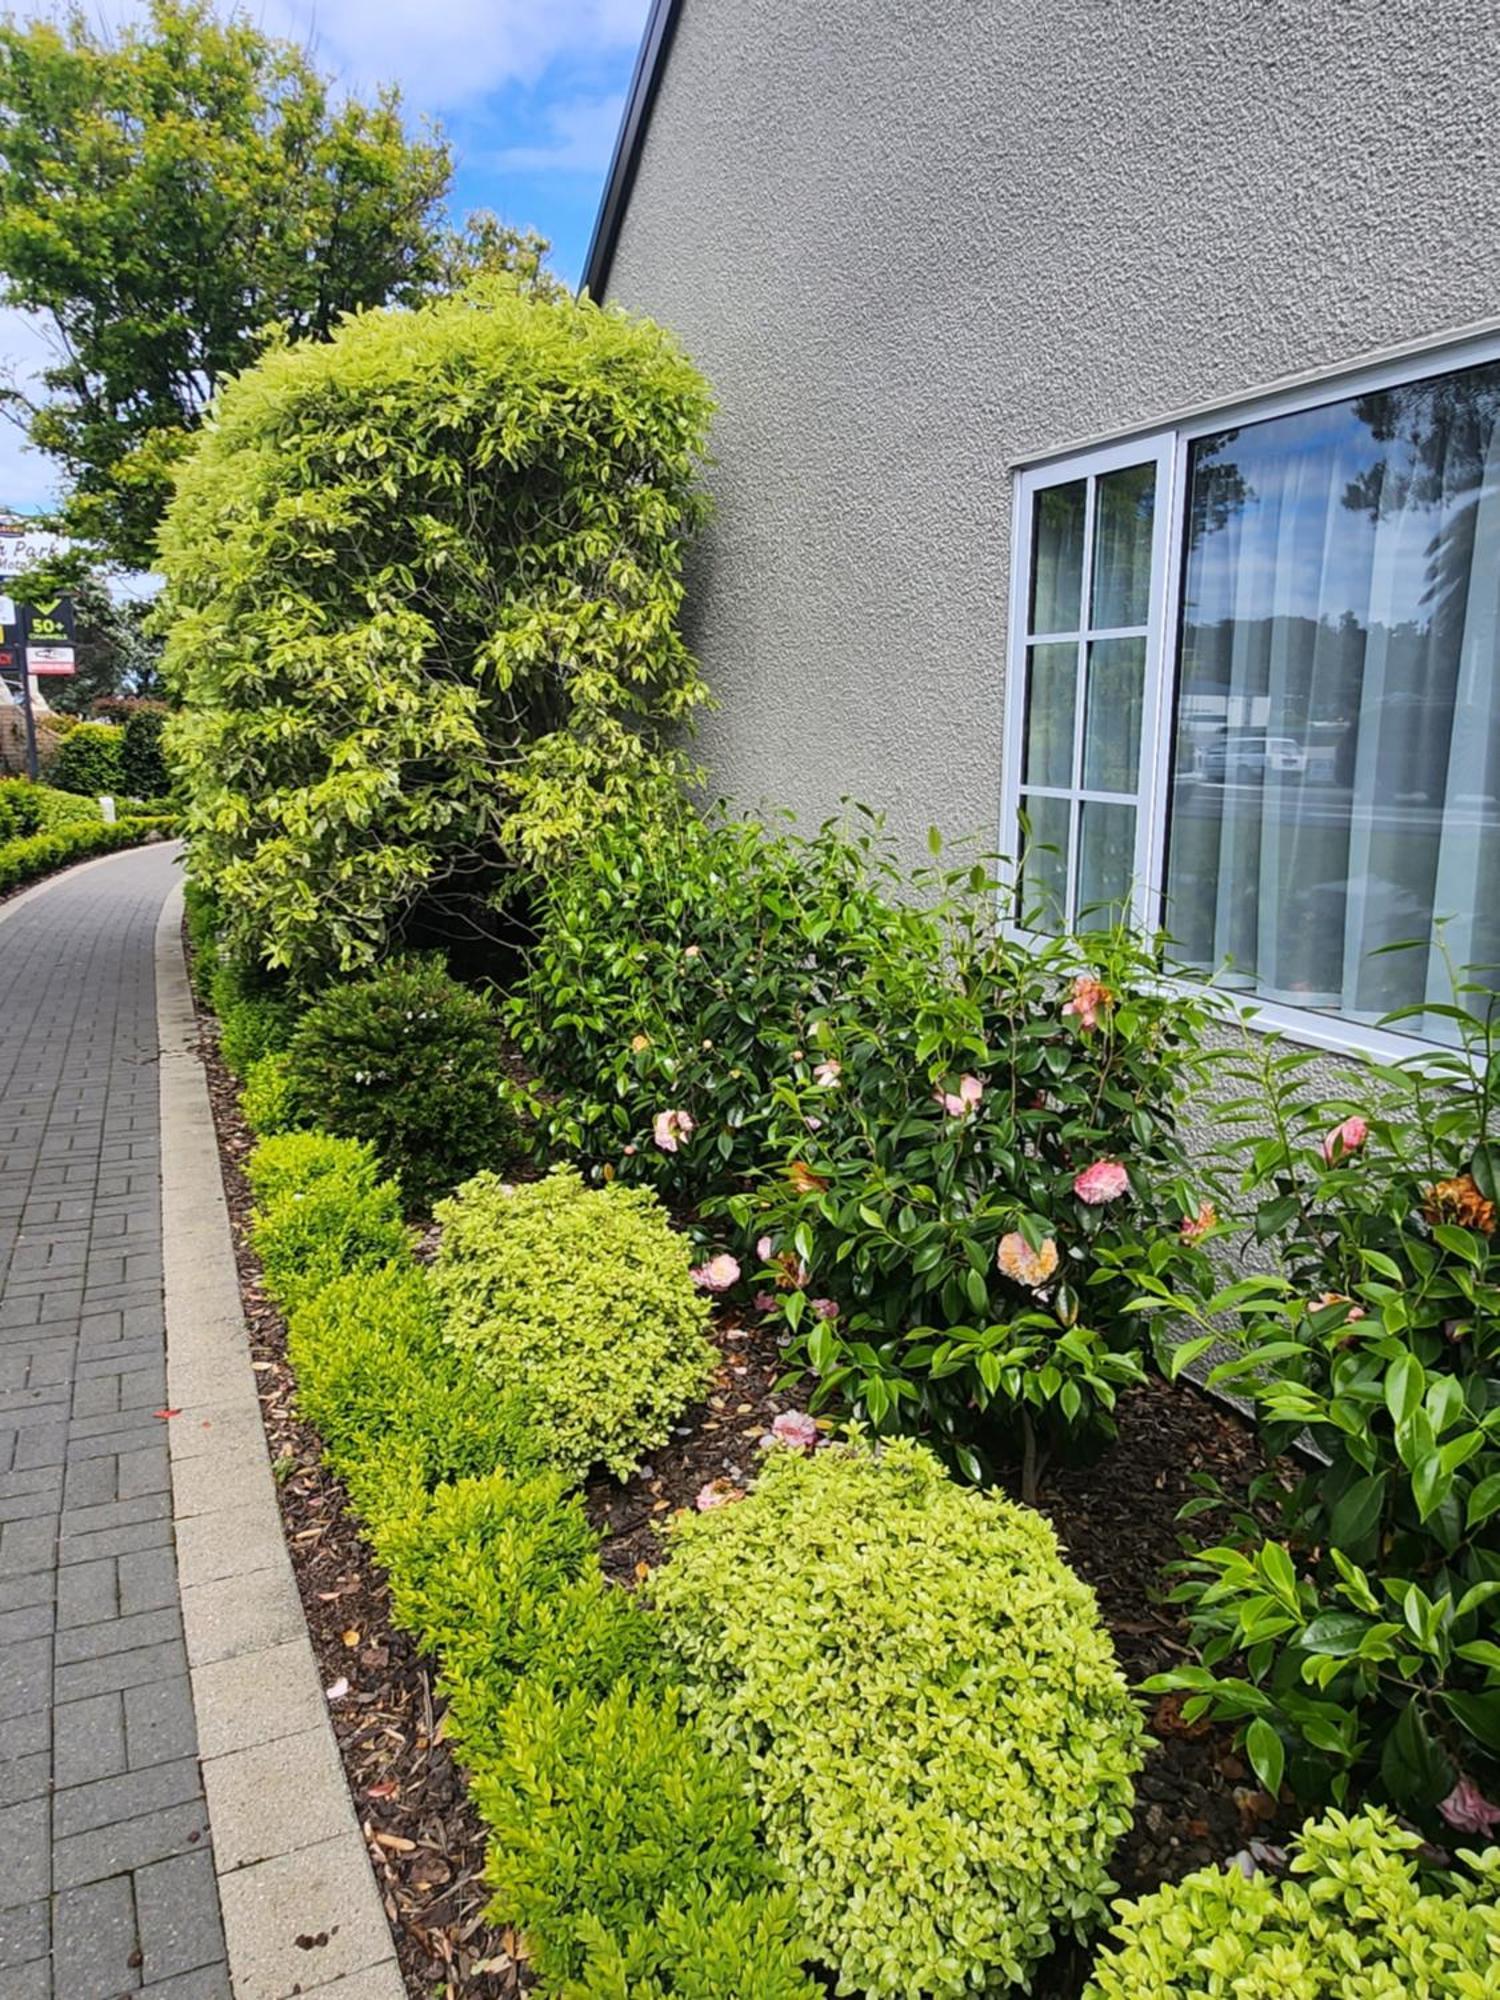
143,766
425,581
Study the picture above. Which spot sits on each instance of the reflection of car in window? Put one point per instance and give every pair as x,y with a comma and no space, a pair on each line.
1241,755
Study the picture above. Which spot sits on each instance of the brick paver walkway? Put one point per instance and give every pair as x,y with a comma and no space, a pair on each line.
106,1878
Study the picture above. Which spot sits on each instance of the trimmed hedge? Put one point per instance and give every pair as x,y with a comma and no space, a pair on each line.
27,808
627,1850
581,1301
1351,1922
89,760
942,1741
27,860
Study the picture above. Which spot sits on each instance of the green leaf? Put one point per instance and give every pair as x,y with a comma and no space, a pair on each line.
1266,1753
1336,1633
1413,1768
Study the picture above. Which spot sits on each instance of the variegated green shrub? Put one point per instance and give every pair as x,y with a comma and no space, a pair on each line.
579,1302
1351,1922
941,1739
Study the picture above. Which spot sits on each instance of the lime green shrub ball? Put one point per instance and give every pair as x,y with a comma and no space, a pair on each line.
1351,1922
580,1301
942,1742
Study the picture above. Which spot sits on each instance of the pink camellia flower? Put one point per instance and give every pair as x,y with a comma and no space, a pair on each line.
1089,999
827,1074
825,1308
718,1274
794,1428
717,1493
1023,1265
1345,1138
1325,1299
1192,1227
1105,1180
1467,1809
670,1128
764,1302
764,1248
959,1103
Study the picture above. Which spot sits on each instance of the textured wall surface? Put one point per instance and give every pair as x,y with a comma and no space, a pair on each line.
913,241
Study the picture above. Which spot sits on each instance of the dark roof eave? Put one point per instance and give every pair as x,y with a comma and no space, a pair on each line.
649,65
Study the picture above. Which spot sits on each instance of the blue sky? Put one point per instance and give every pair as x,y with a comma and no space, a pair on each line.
528,91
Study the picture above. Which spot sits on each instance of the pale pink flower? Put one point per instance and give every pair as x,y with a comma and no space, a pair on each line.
1023,1265
691,952
1467,1809
670,1128
825,1308
813,1124
718,1274
1105,1180
717,1493
794,1428
959,1103
827,1074
1192,1227
1089,999
1345,1138
764,1248
630,1152
764,1302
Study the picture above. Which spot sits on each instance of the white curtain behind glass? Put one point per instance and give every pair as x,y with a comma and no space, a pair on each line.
1337,778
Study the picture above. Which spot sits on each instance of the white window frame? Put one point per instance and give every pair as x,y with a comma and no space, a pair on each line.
1169,444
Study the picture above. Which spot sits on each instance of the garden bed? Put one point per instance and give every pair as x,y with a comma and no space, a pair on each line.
1196,1801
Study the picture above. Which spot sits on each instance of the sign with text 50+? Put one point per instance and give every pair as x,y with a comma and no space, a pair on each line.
47,635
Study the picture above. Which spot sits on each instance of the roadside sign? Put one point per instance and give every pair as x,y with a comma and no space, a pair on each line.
51,660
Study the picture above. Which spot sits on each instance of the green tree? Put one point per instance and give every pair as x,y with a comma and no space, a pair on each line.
423,583
166,197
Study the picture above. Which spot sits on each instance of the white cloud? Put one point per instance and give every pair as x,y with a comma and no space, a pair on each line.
445,54
581,139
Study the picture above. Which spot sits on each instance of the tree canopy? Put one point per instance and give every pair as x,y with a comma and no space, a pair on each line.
174,197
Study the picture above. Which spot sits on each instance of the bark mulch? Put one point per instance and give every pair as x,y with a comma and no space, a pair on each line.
1196,1800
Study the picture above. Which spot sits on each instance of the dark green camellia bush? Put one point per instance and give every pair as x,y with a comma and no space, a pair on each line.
680,963
411,1061
964,1148
1359,1645
424,582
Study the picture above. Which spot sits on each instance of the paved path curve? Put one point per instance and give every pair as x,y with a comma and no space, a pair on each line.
107,1883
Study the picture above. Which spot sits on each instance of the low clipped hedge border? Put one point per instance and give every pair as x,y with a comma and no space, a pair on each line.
627,1851
25,861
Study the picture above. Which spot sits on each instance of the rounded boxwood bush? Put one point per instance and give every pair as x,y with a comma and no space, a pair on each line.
1352,1920
941,1739
581,1302
411,1061
89,760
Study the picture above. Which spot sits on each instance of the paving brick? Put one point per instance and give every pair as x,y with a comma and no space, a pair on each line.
148,1580
94,1940
129,1844
87,1591
25,1841
89,1739
25,1676
160,1721
127,1795
23,1935
118,1635
177,1914
120,1670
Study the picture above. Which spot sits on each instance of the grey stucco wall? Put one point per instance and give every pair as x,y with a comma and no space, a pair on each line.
913,241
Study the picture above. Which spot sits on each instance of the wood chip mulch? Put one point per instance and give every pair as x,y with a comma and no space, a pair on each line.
1196,1801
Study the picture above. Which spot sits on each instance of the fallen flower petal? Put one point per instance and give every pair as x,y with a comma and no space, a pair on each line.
1467,1809
717,1493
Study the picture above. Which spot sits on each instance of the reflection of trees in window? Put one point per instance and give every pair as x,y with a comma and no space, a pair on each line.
1218,487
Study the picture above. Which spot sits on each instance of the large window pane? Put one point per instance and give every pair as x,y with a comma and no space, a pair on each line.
1124,516
1106,864
1112,720
1337,767
1051,700
1044,873
1057,558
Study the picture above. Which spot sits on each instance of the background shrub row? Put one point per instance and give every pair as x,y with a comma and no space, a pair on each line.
34,855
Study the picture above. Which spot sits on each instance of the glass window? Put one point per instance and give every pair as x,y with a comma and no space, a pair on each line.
1337,761
1306,771
1093,553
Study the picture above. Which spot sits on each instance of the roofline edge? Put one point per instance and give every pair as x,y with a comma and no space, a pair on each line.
661,24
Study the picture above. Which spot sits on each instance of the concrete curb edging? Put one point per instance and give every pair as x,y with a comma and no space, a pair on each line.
290,1857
